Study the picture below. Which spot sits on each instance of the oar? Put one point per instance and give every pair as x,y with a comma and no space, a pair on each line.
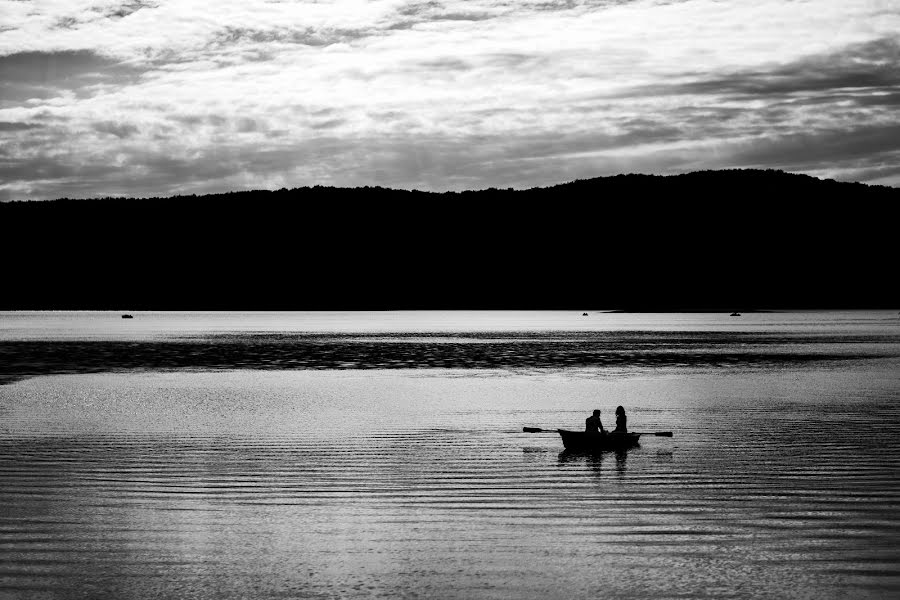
539,430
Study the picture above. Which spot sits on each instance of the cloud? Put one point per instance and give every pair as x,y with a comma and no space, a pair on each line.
125,9
12,126
870,67
195,95
41,75
230,36
119,130
50,67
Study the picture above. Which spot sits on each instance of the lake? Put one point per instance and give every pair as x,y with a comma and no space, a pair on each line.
361,455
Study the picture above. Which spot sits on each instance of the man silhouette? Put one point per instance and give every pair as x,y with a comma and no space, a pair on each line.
593,425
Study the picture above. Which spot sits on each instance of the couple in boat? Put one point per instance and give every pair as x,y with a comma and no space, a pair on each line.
593,425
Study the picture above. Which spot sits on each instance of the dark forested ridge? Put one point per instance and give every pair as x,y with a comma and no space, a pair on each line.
717,240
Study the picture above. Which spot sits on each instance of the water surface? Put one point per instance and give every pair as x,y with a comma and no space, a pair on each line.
389,476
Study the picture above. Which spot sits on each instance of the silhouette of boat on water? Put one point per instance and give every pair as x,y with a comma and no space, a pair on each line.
127,316
581,441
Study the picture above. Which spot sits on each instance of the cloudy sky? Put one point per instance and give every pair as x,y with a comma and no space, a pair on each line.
189,96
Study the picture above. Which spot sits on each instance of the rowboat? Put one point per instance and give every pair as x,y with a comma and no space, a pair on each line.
581,441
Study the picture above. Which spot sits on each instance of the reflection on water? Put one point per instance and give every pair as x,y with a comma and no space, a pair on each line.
107,325
623,350
595,461
310,484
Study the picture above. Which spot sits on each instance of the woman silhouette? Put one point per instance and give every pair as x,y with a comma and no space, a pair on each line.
621,421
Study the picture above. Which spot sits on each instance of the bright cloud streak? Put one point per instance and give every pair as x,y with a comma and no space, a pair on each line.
190,96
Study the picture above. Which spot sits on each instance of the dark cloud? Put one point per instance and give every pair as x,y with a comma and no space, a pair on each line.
327,124
389,115
859,86
546,145
874,173
502,60
127,8
414,13
43,75
48,168
105,12
50,67
815,149
245,125
232,35
189,120
555,6
67,23
513,60
462,16
444,64
13,126
871,67
437,11
852,98
239,124
888,99
120,130
417,8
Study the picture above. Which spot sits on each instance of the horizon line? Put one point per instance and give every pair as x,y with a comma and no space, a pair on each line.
736,170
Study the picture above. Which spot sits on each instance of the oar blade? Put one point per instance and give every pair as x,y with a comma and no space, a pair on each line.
663,433
532,430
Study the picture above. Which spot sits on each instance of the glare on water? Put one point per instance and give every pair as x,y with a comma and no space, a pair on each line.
58,325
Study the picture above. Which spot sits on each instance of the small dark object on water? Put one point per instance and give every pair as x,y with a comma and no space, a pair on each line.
580,441
591,442
584,314
127,317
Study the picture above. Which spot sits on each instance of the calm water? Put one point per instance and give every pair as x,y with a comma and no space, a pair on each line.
382,455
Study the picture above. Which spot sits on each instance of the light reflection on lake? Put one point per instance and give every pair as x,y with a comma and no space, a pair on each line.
105,325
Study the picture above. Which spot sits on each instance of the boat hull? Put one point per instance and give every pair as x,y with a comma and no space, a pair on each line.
581,441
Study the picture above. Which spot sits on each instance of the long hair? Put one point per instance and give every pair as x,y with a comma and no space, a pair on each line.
620,410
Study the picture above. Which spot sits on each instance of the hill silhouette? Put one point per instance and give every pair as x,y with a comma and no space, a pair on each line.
716,240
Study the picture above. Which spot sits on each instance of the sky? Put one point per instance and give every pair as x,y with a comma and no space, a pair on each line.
164,97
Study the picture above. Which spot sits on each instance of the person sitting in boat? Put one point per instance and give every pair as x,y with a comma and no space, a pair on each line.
593,425
621,421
